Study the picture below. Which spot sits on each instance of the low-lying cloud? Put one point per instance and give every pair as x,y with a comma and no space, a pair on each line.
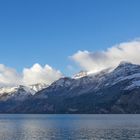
96,61
35,74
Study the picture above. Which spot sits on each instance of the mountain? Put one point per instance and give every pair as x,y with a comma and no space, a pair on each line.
38,87
109,91
20,92
80,74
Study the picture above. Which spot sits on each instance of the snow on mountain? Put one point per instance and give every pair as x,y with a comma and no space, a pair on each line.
11,90
123,72
134,84
8,90
61,83
20,92
80,75
25,90
38,87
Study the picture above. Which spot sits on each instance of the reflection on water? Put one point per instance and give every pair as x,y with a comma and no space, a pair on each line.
69,127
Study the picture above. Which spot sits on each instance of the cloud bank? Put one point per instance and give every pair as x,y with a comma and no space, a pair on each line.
96,61
90,61
29,76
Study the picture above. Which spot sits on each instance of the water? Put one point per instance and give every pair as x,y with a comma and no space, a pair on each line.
69,127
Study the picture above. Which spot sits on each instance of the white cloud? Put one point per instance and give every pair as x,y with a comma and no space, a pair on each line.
39,74
96,61
33,75
9,76
90,61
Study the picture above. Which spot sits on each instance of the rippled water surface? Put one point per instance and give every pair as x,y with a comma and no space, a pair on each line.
69,127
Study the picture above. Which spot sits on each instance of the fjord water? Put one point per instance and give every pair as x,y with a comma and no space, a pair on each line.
69,127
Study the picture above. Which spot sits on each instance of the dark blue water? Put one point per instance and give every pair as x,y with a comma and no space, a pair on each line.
69,127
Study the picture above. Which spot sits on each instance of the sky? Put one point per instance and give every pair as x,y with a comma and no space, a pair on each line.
51,38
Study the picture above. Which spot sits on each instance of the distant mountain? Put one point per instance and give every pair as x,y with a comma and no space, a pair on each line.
20,92
109,91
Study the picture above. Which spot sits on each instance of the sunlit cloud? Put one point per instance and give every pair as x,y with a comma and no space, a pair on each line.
39,74
96,61
35,74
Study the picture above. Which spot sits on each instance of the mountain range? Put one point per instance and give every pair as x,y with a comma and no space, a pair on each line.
113,90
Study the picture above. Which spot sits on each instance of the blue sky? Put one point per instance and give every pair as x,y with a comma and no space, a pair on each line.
49,31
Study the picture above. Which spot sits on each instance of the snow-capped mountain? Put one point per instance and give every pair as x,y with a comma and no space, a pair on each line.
38,87
20,91
80,75
11,90
95,93
17,93
82,83
108,91
8,90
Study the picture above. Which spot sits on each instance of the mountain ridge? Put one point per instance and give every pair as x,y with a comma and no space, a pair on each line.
108,91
